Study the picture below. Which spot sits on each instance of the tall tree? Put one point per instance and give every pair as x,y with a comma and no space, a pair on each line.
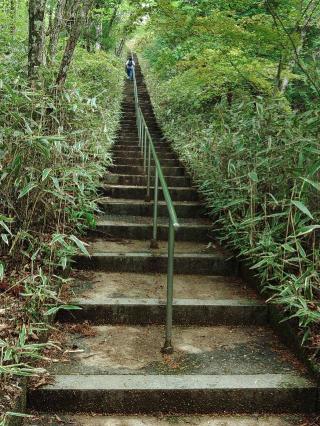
13,14
36,36
82,8
56,29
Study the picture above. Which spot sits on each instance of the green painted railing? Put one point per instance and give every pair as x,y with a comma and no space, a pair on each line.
149,154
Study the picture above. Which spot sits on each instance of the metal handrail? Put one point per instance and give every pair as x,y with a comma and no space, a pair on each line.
148,152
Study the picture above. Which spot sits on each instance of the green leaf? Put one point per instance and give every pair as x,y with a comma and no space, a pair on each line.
5,227
55,182
1,271
307,230
55,309
302,207
312,183
11,413
27,189
288,247
253,176
4,238
45,174
57,238
80,245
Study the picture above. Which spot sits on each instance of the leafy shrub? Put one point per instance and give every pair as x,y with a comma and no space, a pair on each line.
257,164
54,149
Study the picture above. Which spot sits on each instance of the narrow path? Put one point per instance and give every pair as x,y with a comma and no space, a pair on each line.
226,359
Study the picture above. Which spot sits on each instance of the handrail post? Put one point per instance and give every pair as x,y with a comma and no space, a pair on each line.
143,141
149,154
142,133
137,122
154,243
140,128
168,348
145,153
148,195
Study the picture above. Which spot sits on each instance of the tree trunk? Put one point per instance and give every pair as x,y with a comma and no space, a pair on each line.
36,36
98,35
298,50
279,72
112,19
83,8
13,15
56,29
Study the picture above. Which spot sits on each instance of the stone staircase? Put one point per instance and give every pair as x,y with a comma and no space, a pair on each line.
227,358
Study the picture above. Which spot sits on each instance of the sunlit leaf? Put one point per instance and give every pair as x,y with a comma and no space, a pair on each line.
302,207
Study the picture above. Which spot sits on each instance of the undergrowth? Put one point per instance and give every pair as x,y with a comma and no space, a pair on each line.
54,148
257,163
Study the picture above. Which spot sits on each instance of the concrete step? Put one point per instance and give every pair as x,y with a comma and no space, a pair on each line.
126,298
141,227
134,146
139,192
170,419
153,311
157,137
136,256
176,394
184,209
138,170
126,133
120,369
136,152
128,118
152,125
141,180
138,161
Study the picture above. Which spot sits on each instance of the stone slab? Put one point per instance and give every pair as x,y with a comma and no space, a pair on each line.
176,394
184,263
139,207
141,228
169,420
153,311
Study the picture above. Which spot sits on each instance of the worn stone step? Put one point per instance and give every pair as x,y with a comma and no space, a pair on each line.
137,256
141,180
134,149
138,161
184,209
152,125
127,117
120,369
134,146
154,130
127,135
123,298
132,138
176,394
128,109
136,152
171,419
138,170
141,227
153,311
139,192
149,119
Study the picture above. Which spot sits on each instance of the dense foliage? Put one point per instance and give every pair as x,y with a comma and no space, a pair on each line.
54,148
236,89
